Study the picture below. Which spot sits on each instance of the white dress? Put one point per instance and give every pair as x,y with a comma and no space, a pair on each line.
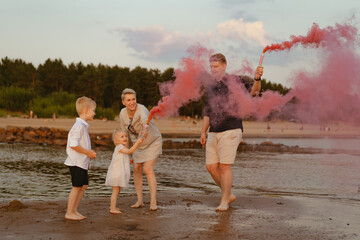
118,174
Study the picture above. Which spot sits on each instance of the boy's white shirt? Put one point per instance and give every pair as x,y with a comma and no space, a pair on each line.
78,136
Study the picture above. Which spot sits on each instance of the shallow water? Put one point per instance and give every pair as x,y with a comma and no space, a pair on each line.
37,172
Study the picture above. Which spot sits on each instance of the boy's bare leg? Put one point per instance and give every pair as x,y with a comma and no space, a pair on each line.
151,178
78,199
70,212
113,200
214,170
138,182
225,182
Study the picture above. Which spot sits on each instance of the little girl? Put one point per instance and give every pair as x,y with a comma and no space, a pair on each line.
118,174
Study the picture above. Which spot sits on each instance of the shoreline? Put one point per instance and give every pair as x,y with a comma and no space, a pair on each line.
191,128
184,216
57,137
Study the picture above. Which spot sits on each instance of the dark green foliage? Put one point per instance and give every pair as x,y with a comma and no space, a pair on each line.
15,98
3,113
265,85
16,73
53,87
106,113
60,103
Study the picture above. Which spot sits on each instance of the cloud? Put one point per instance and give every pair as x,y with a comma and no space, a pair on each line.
232,3
244,15
237,29
155,43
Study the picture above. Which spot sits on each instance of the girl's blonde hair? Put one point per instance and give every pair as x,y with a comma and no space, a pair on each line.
115,132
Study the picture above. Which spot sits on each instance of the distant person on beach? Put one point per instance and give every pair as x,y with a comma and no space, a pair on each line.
225,131
118,174
133,119
79,153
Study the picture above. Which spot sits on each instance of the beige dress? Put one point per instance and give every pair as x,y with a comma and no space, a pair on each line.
151,147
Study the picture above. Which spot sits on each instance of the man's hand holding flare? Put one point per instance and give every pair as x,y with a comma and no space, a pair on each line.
258,72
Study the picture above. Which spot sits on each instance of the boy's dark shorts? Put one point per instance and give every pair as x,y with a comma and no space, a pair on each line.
79,176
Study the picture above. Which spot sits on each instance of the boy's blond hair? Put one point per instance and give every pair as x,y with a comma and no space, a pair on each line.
84,102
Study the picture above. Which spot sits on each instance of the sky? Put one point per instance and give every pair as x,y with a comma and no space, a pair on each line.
156,34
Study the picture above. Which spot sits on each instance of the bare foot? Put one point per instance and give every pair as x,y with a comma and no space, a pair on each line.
138,205
80,215
153,207
115,208
73,217
222,207
115,211
232,198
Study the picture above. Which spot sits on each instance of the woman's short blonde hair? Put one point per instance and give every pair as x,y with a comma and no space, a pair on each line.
84,102
127,91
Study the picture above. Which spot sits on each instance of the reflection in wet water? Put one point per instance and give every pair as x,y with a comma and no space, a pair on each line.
38,172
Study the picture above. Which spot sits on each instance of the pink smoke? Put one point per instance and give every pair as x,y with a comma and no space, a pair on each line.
317,37
194,75
187,85
330,93
242,104
246,68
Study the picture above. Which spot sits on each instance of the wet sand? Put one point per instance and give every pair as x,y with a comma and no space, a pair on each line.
185,217
179,127
188,216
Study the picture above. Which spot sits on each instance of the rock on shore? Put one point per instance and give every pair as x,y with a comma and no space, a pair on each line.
46,136
58,137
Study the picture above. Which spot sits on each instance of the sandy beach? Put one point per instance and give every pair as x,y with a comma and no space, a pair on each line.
183,127
278,215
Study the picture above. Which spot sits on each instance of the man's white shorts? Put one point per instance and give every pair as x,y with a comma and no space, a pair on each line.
221,147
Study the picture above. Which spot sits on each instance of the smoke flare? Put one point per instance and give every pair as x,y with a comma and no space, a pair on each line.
317,37
330,93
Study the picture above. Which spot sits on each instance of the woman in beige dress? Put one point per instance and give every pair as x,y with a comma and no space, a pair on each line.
133,119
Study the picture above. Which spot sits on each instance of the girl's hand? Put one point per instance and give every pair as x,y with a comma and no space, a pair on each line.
140,140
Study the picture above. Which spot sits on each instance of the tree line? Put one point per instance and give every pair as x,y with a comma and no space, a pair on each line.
53,87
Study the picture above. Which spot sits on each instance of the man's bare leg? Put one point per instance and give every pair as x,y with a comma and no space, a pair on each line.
138,182
225,182
214,170
151,178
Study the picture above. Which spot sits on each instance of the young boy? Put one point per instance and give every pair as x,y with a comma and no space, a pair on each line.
79,153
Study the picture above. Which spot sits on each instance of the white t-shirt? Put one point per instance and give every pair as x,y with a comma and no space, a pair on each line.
78,136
